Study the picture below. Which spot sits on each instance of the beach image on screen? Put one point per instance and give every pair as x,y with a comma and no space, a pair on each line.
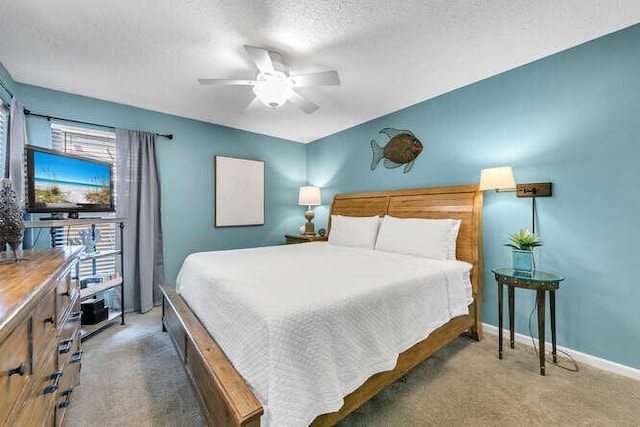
62,181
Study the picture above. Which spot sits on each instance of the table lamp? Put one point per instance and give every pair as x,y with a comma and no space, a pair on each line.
309,196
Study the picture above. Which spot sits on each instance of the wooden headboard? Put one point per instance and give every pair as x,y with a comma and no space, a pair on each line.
463,202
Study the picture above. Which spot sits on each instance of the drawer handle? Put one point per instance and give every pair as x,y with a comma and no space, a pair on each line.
65,346
76,316
66,393
51,320
77,357
20,370
53,387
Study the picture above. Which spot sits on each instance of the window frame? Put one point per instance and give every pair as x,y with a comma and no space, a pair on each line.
62,139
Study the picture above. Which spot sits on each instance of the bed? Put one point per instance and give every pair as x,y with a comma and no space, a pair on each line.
228,398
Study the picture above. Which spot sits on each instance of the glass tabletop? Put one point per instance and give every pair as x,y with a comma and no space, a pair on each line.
536,275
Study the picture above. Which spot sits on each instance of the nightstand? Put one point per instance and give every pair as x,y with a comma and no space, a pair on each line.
540,281
304,239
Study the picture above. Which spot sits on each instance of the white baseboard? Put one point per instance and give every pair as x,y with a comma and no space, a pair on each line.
587,359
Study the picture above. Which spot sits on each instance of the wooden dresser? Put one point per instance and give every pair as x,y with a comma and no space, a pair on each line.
40,354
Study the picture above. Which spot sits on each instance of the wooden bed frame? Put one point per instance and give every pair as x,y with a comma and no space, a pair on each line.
224,397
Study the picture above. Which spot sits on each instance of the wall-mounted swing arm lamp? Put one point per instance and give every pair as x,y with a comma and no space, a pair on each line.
501,180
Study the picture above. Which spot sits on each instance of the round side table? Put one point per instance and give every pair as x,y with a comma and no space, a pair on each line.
540,281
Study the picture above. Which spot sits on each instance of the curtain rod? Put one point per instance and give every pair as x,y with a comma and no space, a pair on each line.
49,118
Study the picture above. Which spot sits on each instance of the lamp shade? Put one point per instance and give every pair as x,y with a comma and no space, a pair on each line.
497,179
309,196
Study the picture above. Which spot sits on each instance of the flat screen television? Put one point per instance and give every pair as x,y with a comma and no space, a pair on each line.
61,182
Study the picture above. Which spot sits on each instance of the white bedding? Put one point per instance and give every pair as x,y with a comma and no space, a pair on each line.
307,324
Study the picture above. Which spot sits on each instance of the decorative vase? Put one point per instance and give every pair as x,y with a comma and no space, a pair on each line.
522,261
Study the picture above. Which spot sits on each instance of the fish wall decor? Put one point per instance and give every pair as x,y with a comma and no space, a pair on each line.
402,149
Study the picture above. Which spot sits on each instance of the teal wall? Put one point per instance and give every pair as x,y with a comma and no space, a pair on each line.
572,119
186,170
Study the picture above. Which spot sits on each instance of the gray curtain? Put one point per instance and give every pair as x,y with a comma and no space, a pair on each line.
138,199
14,169
15,155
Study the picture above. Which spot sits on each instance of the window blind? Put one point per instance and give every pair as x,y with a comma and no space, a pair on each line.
4,131
97,145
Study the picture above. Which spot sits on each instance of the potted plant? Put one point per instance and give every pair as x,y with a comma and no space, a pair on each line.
522,244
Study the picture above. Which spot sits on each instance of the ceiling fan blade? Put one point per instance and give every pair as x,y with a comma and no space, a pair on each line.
261,58
303,103
226,82
323,78
255,104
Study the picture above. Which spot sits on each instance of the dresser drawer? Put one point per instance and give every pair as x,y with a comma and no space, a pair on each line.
67,290
74,363
63,402
15,368
38,408
68,383
44,323
67,346
38,414
69,334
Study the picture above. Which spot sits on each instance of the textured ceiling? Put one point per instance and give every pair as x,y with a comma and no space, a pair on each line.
150,53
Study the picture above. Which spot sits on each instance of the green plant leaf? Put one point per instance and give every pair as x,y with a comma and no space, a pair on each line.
524,240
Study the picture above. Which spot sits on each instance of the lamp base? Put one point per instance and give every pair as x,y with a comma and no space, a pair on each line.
309,229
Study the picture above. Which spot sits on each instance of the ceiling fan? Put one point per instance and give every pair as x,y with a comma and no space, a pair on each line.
274,86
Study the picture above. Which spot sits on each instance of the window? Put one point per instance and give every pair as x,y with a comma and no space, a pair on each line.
98,145
4,126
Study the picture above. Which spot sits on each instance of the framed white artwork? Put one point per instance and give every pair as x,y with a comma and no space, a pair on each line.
239,192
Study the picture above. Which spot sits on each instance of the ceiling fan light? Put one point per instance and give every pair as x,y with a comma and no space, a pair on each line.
273,90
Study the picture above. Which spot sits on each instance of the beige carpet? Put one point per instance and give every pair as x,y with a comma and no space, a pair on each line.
131,377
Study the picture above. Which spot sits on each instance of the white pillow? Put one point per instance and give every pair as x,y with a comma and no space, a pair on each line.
453,237
354,231
428,238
